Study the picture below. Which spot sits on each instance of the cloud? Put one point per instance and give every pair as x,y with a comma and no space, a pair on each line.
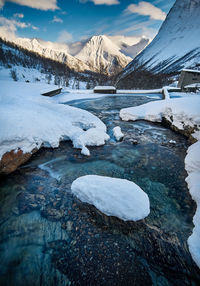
1,3
64,37
19,15
57,20
102,2
146,9
8,27
37,4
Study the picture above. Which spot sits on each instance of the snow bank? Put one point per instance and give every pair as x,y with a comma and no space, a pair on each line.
183,112
118,133
192,165
29,120
114,197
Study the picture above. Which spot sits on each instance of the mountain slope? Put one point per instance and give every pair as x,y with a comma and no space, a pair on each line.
98,54
177,44
103,55
108,54
54,51
130,46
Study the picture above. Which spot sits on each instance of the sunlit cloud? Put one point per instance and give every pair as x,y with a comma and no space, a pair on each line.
37,4
8,27
146,9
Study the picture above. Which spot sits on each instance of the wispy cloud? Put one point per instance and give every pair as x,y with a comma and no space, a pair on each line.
64,37
102,2
37,4
8,27
57,20
19,15
146,9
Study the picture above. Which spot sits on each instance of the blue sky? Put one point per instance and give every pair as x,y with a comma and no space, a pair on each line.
74,20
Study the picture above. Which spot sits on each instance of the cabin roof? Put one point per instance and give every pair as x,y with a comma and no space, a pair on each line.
105,88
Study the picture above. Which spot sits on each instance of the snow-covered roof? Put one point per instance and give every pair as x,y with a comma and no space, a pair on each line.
192,85
193,71
105,88
112,196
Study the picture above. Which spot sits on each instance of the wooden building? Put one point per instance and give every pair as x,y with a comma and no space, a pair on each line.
105,89
188,77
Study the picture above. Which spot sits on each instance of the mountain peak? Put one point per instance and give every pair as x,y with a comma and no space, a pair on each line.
177,44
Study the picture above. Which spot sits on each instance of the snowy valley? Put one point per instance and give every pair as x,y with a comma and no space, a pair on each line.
101,188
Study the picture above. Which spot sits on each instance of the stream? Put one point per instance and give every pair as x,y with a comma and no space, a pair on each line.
48,237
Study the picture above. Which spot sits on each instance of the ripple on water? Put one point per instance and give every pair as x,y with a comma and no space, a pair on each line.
64,169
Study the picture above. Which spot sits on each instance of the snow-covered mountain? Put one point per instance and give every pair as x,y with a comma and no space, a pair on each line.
54,51
110,54
130,46
177,44
98,53
103,55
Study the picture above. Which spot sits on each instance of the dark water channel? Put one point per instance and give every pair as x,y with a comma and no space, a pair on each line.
48,237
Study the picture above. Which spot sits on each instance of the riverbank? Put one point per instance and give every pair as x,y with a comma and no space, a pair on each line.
182,115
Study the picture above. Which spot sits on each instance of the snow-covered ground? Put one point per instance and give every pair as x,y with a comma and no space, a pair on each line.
29,120
35,76
182,112
112,196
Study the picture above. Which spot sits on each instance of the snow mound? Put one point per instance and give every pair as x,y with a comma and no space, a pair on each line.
118,133
29,120
181,112
192,165
114,197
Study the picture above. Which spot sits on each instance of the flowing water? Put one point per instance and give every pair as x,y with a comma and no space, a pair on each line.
48,237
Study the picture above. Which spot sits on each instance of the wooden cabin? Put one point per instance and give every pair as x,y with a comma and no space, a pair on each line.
52,92
105,89
188,77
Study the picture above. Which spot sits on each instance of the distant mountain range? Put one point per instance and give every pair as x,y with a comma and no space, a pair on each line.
176,46
102,53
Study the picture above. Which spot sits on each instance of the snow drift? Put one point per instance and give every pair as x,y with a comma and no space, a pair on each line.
29,120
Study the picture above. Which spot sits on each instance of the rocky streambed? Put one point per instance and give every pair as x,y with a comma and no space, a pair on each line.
48,237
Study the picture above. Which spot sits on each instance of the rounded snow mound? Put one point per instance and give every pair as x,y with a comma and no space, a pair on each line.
113,197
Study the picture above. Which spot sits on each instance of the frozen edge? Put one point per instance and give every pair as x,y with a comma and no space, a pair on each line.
155,111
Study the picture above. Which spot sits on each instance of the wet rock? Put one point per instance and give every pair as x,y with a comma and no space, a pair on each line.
134,142
12,160
186,131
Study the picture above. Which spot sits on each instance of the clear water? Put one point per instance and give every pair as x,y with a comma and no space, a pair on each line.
48,237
